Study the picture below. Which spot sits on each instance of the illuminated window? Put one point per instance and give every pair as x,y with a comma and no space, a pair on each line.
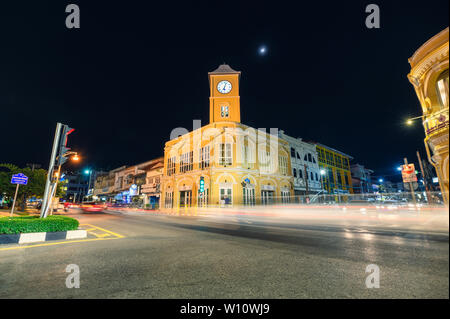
442,89
204,157
283,165
224,111
171,166
265,162
186,160
225,155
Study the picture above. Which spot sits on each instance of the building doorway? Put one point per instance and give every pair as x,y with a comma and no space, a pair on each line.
185,198
226,196
267,197
202,199
249,196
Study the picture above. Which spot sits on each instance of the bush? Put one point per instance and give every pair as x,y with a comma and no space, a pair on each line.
34,224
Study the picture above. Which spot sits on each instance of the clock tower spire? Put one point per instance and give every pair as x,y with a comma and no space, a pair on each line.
224,100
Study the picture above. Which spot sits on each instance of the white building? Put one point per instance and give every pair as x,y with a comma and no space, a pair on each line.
305,165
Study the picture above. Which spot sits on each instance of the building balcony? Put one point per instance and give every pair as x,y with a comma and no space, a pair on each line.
436,123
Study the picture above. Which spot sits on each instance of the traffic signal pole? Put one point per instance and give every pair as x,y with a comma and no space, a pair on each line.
425,182
44,207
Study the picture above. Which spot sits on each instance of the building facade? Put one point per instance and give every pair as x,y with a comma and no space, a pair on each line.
335,166
305,166
430,78
361,179
139,184
150,189
225,163
104,185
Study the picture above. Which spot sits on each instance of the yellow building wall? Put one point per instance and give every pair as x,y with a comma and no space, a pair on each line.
429,65
217,176
332,162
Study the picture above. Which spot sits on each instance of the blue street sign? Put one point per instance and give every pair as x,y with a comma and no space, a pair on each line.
19,179
247,180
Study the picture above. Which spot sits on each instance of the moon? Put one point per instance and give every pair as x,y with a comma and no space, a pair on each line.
262,50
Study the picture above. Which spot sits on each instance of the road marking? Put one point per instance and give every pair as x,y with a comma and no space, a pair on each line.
57,243
102,229
106,233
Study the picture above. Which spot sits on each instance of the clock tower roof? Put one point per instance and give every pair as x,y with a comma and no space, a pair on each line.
224,69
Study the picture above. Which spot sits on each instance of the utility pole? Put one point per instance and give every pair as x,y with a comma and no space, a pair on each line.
50,171
411,185
425,182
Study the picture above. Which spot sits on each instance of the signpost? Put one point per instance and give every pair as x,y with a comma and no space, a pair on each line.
409,177
18,179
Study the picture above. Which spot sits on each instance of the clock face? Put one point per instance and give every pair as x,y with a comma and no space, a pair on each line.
224,87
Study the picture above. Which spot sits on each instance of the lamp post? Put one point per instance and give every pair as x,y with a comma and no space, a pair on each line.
88,172
75,158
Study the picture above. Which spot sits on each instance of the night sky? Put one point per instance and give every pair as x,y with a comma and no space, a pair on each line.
137,69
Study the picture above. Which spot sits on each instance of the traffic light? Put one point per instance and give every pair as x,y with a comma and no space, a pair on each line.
202,184
63,149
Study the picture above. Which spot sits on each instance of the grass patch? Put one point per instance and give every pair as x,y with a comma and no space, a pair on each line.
34,224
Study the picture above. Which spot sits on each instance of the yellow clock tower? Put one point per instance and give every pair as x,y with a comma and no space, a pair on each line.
224,100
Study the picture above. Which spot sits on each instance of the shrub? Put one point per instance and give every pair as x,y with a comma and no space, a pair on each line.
34,224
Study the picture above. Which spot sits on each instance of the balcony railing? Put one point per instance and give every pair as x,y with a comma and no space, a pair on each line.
436,122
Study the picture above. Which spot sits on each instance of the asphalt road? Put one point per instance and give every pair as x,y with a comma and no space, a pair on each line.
235,257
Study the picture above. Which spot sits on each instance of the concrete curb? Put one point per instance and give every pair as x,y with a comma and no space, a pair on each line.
26,238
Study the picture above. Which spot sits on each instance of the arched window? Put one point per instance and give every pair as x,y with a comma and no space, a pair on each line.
309,157
442,89
300,173
295,172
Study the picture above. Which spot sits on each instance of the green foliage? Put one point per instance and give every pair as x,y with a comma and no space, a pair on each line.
34,224
35,186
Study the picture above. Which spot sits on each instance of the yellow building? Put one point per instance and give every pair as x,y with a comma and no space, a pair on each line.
237,164
429,76
335,165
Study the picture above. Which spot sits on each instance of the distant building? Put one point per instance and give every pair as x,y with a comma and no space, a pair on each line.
337,177
361,179
77,186
305,165
138,184
104,184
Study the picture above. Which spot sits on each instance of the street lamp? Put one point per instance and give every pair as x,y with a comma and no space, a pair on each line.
57,174
381,180
411,120
88,172
322,173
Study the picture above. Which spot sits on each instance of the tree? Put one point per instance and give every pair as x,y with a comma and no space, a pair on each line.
34,187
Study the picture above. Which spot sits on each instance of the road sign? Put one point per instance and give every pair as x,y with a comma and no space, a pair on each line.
414,185
409,173
19,179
